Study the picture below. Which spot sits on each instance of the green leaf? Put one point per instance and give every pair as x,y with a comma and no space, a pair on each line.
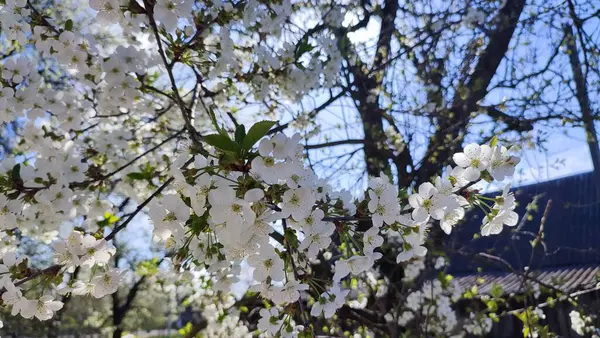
184,331
240,133
112,219
109,219
494,141
303,47
486,176
137,176
69,25
198,224
221,142
497,290
492,305
147,268
213,118
522,316
16,172
256,132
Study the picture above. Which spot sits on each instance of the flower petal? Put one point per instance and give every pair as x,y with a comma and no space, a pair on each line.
472,150
461,160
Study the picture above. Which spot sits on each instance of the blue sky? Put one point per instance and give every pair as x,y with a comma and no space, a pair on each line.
566,155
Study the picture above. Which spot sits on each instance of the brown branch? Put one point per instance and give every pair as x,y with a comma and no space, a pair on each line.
333,144
454,122
186,112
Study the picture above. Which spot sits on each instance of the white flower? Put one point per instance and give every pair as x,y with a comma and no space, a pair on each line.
346,199
269,169
413,269
97,252
406,317
297,203
65,256
45,307
295,175
108,10
383,203
74,169
227,208
269,321
176,207
381,186
168,12
427,202
198,193
12,295
291,331
355,265
310,221
440,262
25,307
8,260
456,176
289,293
371,240
280,146
502,163
259,231
266,290
493,224
16,69
267,264
81,289
106,283
329,302
254,195
384,209
501,214
506,201
577,322
451,218
474,159
318,237
413,247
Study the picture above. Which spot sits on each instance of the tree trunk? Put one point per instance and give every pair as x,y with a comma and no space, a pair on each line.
583,99
366,96
118,332
117,316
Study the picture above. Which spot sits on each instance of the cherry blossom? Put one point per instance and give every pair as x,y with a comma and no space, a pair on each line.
267,264
106,283
501,214
427,202
474,159
269,321
45,307
329,302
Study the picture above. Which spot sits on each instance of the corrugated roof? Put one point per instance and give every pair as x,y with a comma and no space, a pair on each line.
572,230
567,279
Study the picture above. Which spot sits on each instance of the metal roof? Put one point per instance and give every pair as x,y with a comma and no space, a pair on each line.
566,279
572,231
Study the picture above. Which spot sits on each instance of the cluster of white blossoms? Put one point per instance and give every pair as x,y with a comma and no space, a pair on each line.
278,216
478,326
582,324
107,133
431,307
217,308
